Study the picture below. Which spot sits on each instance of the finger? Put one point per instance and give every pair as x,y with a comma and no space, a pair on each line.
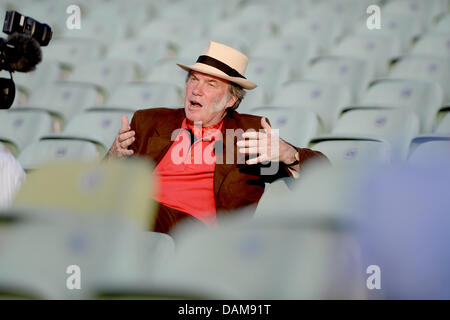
125,125
256,160
126,135
265,125
251,150
253,135
128,152
125,144
247,143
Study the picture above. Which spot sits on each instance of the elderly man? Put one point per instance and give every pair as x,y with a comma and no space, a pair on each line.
201,169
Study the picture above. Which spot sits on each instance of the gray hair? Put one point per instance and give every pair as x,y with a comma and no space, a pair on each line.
234,89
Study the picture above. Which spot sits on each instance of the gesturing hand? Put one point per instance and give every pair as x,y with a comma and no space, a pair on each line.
123,140
266,145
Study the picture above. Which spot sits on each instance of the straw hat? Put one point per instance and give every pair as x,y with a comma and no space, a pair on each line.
223,62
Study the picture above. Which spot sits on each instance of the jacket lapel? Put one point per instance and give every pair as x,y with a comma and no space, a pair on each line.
161,140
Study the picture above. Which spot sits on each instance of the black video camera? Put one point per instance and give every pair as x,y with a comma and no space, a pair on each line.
21,51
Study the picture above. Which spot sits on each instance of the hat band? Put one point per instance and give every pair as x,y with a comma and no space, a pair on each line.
220,65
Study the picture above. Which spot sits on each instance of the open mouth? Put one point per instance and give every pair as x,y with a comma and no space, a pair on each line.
194,104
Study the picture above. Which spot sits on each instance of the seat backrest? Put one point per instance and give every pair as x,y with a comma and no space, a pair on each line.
296,126
354,152
50,150
353,72
398,126
323,98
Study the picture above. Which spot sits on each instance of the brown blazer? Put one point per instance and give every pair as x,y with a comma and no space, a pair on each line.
235,185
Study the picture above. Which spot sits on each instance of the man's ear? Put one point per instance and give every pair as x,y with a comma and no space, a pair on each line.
231,101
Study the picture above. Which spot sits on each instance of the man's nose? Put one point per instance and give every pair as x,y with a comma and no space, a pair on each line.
197,89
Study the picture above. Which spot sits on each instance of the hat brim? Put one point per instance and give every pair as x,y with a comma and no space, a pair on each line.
204,68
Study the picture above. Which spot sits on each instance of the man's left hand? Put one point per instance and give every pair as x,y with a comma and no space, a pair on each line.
267,145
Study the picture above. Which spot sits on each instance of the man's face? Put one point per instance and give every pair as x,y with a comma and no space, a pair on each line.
207,98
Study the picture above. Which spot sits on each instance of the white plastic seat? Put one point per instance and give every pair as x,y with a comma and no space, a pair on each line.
63,99
286,261
430,150
398,126
423,97
45,151
442,26
424,68
433,45
173,30
398,25
106,75
296,126
295,51
252,29
443,126
46,72
323,98
167,71
72,51
97,125
145,52
18,128
353,151
353,72
141,95
324,32
376,49
268,73
101,27
422,13
253,99
347,12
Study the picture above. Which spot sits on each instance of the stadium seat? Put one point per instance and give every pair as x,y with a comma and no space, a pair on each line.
253,98
287,260
397,126
112,188
323,98
142,95
144,52
101,27
46,72
437,45
398,25
64,99
354,151
252,29
18,128
39,260
49,150
72,52
167,71
173,30
355,73
95,125
430,150
324,32
418,11
424,68
376,49
296,126
268,73
105,75
443,126
442,26
423,97
296,52
346,12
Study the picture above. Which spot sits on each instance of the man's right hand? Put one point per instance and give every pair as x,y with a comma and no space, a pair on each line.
123,140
